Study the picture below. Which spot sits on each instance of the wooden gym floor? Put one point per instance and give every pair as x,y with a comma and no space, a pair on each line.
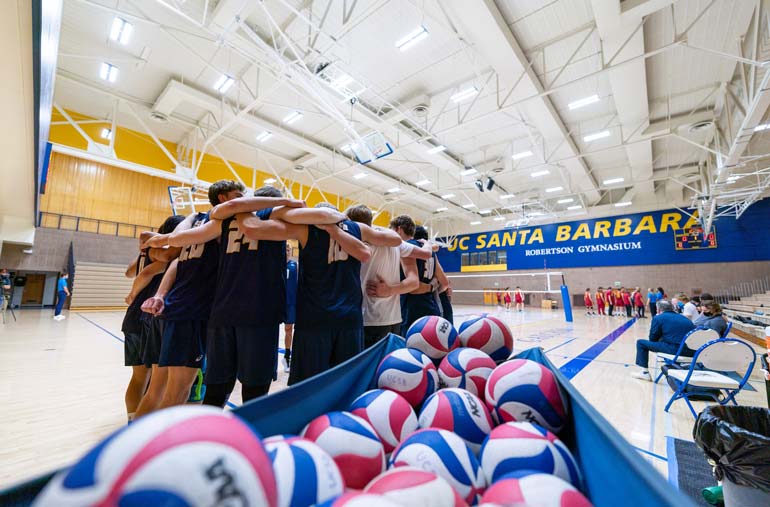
63,382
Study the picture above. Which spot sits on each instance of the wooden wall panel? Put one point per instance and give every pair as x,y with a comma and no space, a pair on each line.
88,189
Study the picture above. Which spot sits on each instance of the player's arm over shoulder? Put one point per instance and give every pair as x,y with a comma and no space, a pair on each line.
379,236
307,216
206,232
253,227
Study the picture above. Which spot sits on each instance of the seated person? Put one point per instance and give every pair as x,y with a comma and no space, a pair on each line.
712,311
667,330
704,300
689,310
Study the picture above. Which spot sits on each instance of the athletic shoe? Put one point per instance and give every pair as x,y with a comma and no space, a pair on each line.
642,375
285,362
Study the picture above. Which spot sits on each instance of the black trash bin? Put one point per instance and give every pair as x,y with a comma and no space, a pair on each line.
737,440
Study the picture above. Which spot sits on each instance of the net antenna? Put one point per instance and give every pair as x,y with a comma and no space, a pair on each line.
182,201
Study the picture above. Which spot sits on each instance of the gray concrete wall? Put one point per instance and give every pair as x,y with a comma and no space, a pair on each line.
49,252
686,278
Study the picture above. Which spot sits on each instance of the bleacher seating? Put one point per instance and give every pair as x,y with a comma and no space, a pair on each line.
99,285
755,307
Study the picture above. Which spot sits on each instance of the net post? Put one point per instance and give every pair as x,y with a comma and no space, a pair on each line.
566,303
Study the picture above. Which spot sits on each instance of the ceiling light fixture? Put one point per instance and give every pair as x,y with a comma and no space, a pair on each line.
264,136
223,83
623,204
469,205
506,196
554,189
596,135
577,206
359,176
108,72
394,190
760,128
270,181
536,214
522,154
292,117
612,181
439,210
464,94
447,196
341,82
583,102
565,201
537,174
106,134
422,183
436,149
412,38
485,211
499,219
476,223
468,172
121,30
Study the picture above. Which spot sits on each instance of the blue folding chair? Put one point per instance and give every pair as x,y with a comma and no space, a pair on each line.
727,330
694,340
722,355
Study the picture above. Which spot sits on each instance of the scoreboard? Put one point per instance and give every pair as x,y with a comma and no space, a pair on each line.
695,239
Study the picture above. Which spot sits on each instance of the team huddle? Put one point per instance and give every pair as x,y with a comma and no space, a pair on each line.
211,290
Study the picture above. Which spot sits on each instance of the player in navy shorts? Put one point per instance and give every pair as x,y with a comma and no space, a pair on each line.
184,297
291,305
146,270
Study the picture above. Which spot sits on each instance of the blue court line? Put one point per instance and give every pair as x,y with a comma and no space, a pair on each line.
100,327
673,464
662,458
577,364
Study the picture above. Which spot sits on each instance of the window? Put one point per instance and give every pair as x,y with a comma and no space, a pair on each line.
492,257
465,259
474,259
502,257
482,258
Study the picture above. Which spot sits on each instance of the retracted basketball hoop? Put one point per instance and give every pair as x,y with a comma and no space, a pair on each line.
374,147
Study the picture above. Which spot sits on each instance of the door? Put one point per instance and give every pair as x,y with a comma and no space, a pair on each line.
33,290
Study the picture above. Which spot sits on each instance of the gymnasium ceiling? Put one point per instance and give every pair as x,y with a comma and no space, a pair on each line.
678,92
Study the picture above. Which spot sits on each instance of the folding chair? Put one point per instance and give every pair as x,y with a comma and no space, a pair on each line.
727,329
724,354
694,340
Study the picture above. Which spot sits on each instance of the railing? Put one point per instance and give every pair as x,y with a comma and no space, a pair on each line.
742,290
93,225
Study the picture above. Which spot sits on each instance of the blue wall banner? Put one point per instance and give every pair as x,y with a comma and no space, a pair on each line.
658,237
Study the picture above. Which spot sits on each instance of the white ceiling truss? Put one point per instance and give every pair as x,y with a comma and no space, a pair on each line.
680,88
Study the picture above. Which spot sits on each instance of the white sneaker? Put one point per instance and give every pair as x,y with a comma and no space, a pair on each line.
285,364
642,375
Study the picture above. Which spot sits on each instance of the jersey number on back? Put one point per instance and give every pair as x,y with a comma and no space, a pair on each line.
192,252
430,268
235,240
336,253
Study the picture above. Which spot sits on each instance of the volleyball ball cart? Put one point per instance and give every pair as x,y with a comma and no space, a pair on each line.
613,472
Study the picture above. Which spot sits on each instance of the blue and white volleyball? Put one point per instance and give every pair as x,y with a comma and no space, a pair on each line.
460,412
467,369
390,415
409,373
433,335
415,487
305,473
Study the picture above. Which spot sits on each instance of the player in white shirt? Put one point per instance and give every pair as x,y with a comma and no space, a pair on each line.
381,281
689,310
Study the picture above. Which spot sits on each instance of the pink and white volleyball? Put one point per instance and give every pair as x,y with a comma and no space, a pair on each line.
432,335
528,487
525,446
409,373
415,487
390,415
460,412
488,334
523,390
467,369
352,443
360,499
445,454
142,464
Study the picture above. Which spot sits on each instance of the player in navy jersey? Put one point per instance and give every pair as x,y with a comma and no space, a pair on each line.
443,296
183,299
329,326
420,302
146,269
291,305
249,296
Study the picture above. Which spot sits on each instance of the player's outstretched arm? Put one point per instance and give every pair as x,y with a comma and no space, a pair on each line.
197,235
270,230
156,303
307,216
415,252
441,277
352,245
379,237
250,204
143,279
131,269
